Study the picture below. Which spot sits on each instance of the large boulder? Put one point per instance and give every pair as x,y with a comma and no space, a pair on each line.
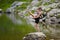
35,36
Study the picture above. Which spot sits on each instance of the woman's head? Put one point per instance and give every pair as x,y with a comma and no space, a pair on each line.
39,9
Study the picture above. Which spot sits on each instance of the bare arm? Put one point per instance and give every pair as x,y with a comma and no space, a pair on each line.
35,16
31,13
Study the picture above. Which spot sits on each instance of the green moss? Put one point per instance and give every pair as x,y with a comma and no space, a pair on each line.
33,11
51,15
23,6
52,1
58,16
47,3
27,14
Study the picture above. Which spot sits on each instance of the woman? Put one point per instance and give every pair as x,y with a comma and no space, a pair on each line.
36,18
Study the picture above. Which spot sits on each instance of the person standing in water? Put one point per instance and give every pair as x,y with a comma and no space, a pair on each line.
36,18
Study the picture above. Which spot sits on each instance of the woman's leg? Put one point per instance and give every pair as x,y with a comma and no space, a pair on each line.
37,27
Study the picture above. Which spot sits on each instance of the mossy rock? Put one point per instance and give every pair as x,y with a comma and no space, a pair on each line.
47,9
51,15
47,3
58,16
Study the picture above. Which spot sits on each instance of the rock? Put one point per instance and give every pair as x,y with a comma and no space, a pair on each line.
45,1
57,0
16,3
34,8
34,2
54,16
35,36
0,10
51,39
8,11
58,22
54,5
53,11
53,20
48,7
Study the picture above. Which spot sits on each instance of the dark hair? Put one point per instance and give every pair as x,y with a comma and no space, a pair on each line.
39,8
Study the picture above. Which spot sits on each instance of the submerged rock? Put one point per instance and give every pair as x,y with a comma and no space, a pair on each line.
1,12
35,36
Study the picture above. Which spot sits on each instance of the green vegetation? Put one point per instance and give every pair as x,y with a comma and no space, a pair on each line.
22,7
52,1
47,3
4,4
11,31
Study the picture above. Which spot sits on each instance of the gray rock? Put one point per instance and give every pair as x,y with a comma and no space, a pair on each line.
45,1
8,11
53,11
35,36
53,5
0,10
53,15
34,2
16,3
57,0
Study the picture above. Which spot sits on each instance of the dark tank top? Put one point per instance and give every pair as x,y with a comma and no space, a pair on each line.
37,17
